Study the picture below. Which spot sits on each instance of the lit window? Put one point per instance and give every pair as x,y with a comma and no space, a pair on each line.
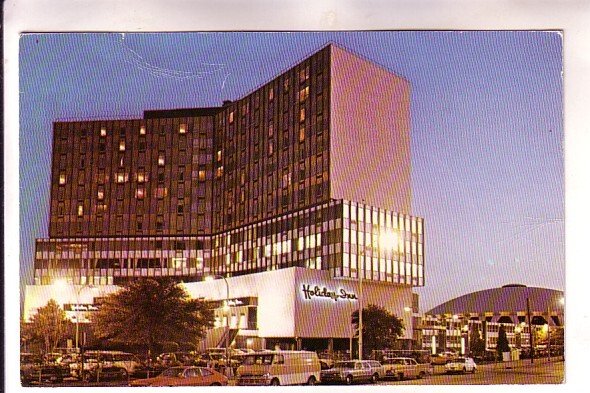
201,175
161,192
303,94
80,210
161,160
304,74
231,117
62,178
270,148
121,177
301,134
271,94
122,145
286,179
219,172
142,130
286,84
100,194
218,155
103,131
182,129
141,177
310,240
140,193
300,244
302,114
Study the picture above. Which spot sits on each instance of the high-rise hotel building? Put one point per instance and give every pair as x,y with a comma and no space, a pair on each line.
301,184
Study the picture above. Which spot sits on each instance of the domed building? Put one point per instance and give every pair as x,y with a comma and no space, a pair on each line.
449,325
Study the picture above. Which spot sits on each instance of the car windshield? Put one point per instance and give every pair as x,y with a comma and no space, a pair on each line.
258,359
344,365
173,372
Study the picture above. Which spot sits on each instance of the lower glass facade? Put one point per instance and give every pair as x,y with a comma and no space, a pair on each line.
341,236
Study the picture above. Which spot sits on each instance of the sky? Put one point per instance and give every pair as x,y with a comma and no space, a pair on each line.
486,132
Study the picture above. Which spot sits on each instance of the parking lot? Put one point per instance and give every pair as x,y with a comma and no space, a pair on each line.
521,372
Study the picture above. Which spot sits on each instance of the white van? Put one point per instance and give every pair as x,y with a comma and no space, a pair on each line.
279,368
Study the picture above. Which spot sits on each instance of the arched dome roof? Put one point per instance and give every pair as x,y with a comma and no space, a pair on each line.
509,298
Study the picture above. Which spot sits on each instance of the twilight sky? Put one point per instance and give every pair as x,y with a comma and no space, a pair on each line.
487,129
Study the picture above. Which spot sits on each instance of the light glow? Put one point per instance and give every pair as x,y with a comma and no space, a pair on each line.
389,240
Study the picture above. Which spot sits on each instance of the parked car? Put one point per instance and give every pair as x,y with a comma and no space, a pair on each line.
184,376
442,358
43,373
353,371
400,368
105,359
108,373
460,365
326,364
170,359
279,368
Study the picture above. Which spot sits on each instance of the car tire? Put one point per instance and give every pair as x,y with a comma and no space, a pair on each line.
275,382
421,375
349,380
374,378
473,370
215,384
400,376
311,381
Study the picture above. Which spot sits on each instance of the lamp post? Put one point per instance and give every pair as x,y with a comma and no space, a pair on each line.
452,330
78,291
465,340
61,284
361,273
226,308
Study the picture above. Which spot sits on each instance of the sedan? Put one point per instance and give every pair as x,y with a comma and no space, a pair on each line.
185,376
460,365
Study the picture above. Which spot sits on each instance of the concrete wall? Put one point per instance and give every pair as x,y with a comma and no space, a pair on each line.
370,133
284,310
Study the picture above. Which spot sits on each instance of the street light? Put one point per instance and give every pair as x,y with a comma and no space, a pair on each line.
388,239
226,309
63,285
89,286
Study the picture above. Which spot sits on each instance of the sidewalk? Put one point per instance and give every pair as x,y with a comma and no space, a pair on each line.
523,363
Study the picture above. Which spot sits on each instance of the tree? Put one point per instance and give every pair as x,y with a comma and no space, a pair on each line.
502,345
46,328
148,312
380,328
477,344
